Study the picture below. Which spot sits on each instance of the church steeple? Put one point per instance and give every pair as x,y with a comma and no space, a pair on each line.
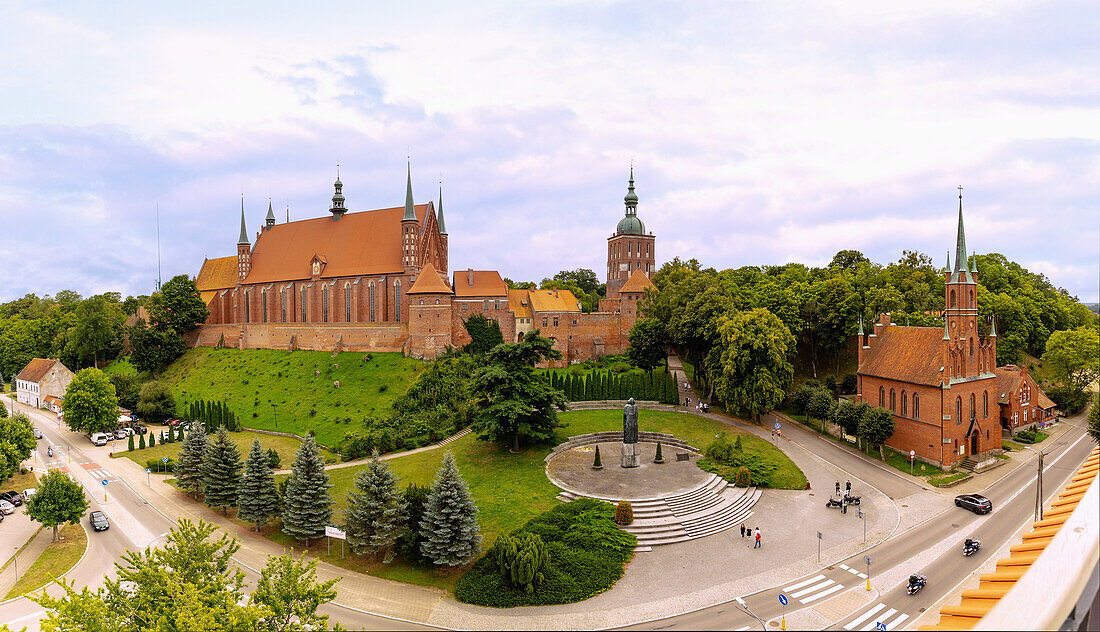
410,208
442,226
338,209
631,199
269,222
243,239
960,240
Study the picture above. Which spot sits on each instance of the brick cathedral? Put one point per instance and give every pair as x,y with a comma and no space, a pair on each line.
379,281
949,398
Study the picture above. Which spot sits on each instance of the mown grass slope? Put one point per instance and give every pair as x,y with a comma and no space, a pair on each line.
294,391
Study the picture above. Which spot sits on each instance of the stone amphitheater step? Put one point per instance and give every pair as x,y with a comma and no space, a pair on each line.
729,517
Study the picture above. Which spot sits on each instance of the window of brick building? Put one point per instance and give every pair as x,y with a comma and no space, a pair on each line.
574,322
304,305
985,404
555,321
397,300
971,346
282,301
881,397
952,298
904,404
263,306
496,304
893,401
465,306
347,303
544,321
324,303
247,310
958,410
972,409
371,292
916,406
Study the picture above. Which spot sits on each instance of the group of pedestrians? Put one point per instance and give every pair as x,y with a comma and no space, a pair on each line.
847,489
752,535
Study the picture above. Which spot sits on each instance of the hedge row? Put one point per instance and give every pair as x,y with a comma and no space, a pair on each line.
603,385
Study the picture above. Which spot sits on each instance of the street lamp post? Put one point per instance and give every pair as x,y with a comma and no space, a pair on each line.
1038,485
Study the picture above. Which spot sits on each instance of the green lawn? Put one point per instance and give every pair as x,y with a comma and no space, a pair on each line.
58,558
279,390
510,489
18,482
121,366
940,481
285,446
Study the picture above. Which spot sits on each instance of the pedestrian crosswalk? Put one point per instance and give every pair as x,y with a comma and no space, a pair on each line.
879,613
812,589
97,471
854,571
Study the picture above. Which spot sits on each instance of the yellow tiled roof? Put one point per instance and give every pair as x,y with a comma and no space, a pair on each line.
519,302
217,274
977,603
553,301
207,297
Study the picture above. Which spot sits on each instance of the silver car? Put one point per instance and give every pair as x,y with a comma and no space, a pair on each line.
6,508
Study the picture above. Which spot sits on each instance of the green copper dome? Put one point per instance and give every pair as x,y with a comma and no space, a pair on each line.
630,225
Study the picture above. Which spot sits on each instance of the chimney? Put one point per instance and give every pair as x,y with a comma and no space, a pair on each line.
886,319
470,277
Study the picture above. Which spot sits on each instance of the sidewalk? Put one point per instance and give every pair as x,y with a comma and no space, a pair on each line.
27,556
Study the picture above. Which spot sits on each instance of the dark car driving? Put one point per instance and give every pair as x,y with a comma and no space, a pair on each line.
98,520
974,502
12,497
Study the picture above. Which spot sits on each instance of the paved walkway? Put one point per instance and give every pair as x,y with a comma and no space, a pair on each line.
392,455
38,543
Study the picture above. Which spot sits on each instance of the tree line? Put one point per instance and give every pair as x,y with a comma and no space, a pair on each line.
603,385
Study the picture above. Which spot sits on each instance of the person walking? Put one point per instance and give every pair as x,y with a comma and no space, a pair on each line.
848,488
838,488
742,530
757,545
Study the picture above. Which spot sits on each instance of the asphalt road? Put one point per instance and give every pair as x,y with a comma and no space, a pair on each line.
1013,500
135,524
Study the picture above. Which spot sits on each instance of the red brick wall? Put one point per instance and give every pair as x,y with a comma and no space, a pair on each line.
387,337
619,253
430,324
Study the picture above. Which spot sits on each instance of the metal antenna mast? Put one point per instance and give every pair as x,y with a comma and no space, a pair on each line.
158,246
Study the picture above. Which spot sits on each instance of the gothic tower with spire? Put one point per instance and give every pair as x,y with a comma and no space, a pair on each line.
966,355
244,250
410,227
443,233
629,248
337,208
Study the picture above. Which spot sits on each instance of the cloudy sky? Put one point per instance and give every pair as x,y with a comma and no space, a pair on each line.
762,132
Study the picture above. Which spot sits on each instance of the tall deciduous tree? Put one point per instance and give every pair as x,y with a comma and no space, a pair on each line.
90,403
307,503
59,500
516,404
754,368
177,306
450,531
290,594
189,469
848,415
156,403
258,497
127,389
821,405
1074,356
375,512
648,344
152,348
876,426
484,333
1094,419
221,472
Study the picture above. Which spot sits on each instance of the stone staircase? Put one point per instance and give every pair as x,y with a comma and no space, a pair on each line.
455,437
974,467
708,509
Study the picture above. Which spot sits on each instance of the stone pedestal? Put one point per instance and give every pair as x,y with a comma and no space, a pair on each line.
630,455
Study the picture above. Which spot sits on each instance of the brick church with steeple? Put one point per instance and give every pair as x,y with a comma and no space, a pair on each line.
943,384
378,281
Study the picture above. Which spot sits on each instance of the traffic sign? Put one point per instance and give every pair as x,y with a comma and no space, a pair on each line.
819,535
912,454
164,460
104,482
777,426
867,559
148,470
880,626
782,599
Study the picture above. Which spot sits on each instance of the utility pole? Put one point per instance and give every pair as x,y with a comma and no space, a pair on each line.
158,246
1039,490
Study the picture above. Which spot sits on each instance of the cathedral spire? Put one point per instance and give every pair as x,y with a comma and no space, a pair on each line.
631,198
442,226
338,209
960,239
410,209
269,222
243,240
948,268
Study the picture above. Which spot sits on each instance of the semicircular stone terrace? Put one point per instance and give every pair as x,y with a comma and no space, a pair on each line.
673,501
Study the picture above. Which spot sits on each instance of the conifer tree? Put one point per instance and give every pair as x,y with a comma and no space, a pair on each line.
189,468
152,439
171,434
221,472
258,497
307,504
450,529
141,442
130,444
376,511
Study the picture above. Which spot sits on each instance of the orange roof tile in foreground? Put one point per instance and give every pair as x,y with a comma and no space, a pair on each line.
479,283
993,586
429,282
367,242
907,354
519,302
638,282
553,301
217,274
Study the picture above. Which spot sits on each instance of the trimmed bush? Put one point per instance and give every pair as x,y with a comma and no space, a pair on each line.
596,463
586,554
624,513
522,560
659,458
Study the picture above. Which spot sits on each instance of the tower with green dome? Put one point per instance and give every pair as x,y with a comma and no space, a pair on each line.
630,247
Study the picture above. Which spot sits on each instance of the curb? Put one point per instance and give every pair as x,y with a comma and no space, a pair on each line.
87,546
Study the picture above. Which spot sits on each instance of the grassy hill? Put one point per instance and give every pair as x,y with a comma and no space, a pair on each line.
253,380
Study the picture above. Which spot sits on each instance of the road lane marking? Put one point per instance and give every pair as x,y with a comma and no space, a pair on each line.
844,566
33,615
866,615
814,588
893,624
824,593
740,600
805,583
742,629
871,625
853,571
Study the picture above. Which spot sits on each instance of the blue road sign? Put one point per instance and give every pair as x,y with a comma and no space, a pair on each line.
104,481
148,470
782,599
880,626
164,460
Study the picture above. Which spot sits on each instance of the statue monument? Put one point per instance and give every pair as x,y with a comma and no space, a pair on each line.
630,434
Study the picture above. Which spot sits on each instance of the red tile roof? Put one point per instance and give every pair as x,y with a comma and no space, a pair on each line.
36,369
429,282
1008,380
519,303
906,354
217,274
638,282
485,283
368,242
553,301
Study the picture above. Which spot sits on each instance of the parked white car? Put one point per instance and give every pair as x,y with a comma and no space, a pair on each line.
27,493
6,508
100,439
